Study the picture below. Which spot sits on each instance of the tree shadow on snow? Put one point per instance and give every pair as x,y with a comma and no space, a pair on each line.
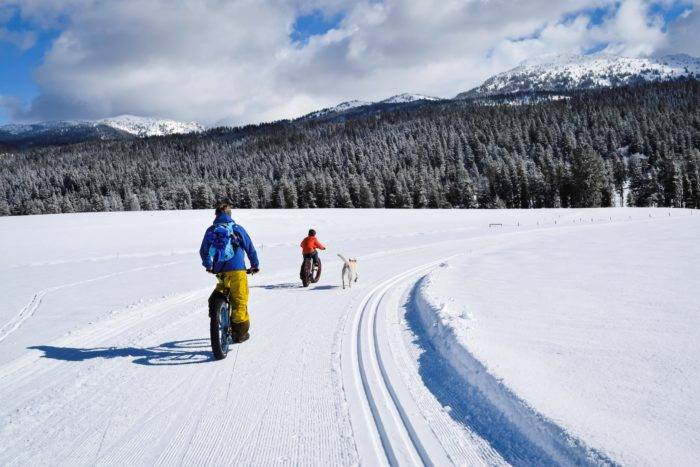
469,406
184,352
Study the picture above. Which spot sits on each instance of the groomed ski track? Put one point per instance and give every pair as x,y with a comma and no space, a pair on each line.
325,379
392,427
394,438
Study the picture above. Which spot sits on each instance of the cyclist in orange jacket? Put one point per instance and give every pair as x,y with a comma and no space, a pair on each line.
309,246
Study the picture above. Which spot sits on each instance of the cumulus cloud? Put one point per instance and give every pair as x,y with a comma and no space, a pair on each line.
220,61
632,32
684,33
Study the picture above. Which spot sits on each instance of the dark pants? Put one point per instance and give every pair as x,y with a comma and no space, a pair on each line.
313,256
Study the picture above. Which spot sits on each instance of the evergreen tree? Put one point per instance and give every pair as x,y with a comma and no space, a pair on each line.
203,197
588,178
583,151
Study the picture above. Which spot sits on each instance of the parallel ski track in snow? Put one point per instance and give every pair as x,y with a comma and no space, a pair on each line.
391,430
390,426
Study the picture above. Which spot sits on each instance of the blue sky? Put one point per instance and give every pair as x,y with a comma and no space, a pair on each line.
360,21
17,64
313,24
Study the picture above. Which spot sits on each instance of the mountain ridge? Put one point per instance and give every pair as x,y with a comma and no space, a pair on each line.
76,131
353,105
548,77
570,72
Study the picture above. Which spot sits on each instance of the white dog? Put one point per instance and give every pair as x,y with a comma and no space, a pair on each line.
349,270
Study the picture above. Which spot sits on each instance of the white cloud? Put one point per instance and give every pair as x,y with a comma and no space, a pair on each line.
232,61
684,33
632,32
627,30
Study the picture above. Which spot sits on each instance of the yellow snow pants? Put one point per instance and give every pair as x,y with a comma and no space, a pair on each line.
236,283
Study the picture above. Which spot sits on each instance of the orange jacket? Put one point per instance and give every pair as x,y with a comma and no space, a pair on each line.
309,245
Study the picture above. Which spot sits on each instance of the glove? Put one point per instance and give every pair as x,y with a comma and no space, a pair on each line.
253,271
210,271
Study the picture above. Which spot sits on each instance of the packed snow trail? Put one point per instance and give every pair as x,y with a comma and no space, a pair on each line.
386,421
113,364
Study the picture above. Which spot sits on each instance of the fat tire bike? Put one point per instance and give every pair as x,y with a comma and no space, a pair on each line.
310,271
220,323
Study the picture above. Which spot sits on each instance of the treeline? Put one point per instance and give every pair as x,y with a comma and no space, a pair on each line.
642,143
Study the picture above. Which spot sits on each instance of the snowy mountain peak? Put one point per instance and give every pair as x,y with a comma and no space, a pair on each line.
559,73
131,124
340,108
406,97
76,131
147,126
349,105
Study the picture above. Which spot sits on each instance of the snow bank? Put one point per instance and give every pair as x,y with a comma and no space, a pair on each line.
445,330
587,334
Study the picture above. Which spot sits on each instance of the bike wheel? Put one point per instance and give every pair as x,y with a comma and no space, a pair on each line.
219,328
315,274
305,272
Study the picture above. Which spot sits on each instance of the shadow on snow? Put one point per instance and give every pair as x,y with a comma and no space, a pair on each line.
293,285
285,285
184,352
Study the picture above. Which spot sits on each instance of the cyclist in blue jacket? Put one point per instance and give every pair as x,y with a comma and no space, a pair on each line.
227,260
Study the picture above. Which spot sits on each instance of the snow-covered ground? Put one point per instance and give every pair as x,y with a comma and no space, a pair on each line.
584,321
595,328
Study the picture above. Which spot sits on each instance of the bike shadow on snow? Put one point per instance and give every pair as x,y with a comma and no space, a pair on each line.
325,287
284,285
293,285
185,352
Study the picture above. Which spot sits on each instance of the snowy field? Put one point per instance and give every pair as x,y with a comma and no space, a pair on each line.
472,337
596,329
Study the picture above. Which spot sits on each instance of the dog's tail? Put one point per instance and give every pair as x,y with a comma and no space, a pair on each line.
343,258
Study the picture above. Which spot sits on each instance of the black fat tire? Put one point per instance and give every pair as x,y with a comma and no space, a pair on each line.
315,274
305,273
218,348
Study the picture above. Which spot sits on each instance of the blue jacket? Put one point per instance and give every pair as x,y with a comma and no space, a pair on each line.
237,263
